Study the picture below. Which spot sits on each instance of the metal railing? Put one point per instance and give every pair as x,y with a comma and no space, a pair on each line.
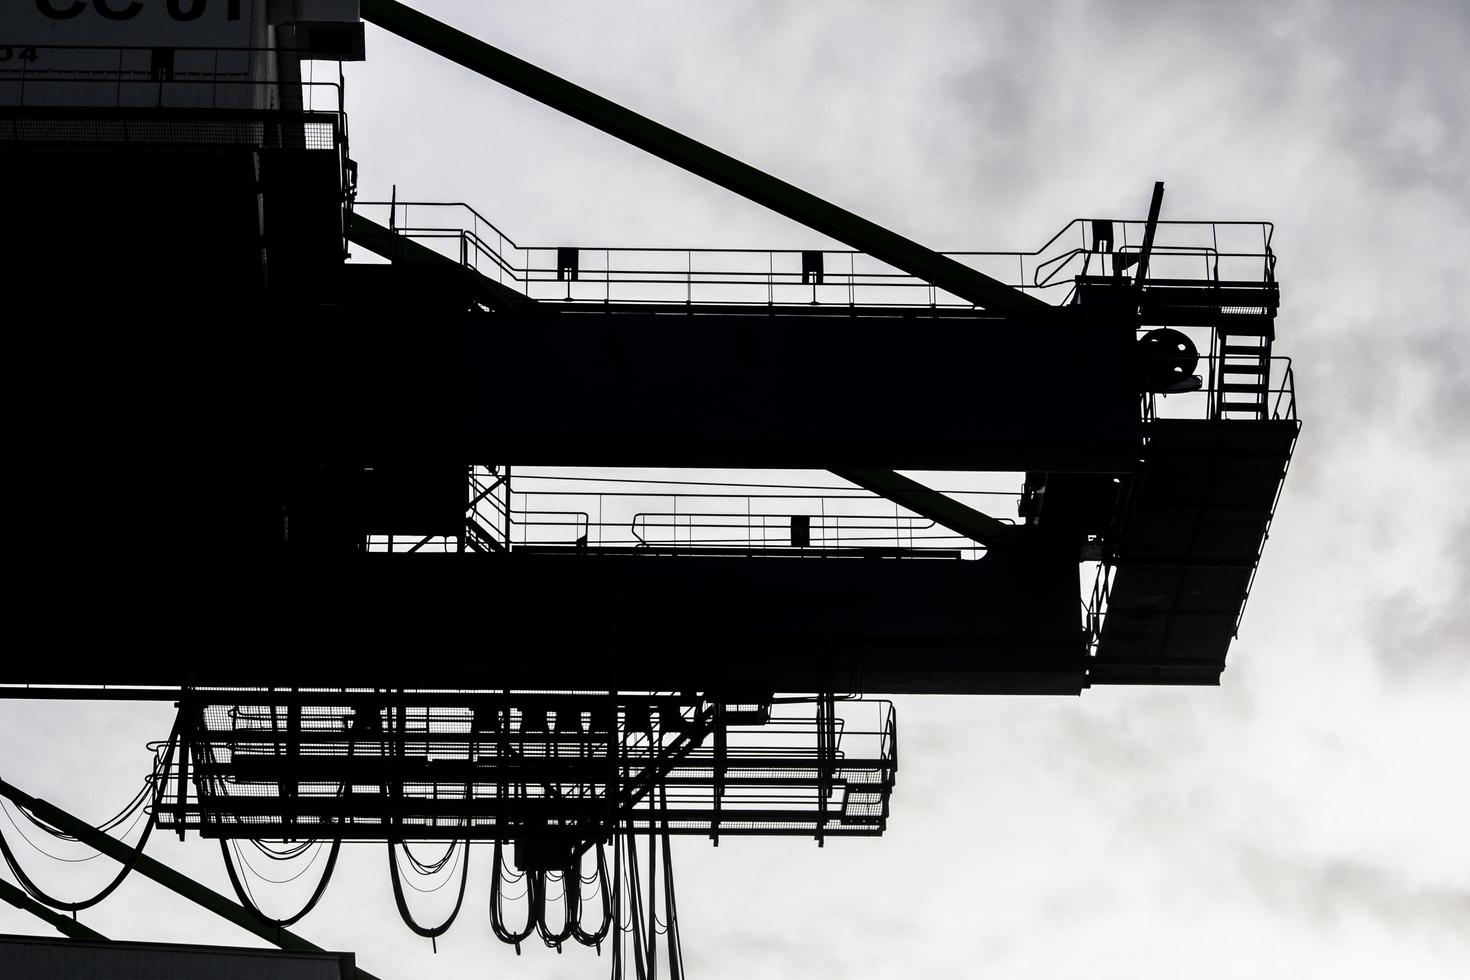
611,515
694,520
1277,397
1202,251
1284,407
176,95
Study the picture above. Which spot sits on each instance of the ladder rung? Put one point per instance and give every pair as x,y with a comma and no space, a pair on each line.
1242,369
1242,406
1242,349
1259,389
1246,325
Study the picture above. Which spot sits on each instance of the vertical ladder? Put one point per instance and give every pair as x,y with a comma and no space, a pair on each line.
1244,365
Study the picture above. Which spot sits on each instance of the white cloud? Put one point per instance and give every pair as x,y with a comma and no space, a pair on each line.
1304,820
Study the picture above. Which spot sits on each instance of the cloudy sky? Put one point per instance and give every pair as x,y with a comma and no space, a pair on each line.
1308,817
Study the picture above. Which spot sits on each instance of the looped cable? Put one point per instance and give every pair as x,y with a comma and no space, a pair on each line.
497,918
430,932
243,894
596,937
570,899
41,896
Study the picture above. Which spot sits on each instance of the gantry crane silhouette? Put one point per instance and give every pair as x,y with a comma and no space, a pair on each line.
387,534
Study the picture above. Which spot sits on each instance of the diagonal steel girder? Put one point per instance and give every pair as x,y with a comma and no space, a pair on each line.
402,249
937,507
70,928
697,158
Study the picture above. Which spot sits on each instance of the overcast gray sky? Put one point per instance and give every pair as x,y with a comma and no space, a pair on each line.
1305,819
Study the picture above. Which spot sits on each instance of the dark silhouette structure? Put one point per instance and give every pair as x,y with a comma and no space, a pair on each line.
386,533
27,956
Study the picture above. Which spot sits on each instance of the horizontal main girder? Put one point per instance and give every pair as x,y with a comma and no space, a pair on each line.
586,389
1004,624
676,389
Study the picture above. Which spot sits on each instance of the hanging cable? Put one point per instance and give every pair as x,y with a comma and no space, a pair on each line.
433,867
251,869
433,932
131,810
283,855
454,852
243,894
30,818
642,952
617,907
497,917
234,846
570,901
671,914
41,896
596,937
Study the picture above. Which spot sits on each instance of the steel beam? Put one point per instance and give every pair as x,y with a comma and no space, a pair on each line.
1007,624
1149,229
87,692
70,928
668,389
402,249
697,158
937,507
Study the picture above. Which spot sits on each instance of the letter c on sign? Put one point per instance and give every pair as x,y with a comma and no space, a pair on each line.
130,11
45,7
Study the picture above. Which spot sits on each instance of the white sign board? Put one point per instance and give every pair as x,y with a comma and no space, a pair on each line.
134,53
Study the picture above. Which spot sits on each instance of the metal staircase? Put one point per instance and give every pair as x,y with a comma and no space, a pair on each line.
1243,355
